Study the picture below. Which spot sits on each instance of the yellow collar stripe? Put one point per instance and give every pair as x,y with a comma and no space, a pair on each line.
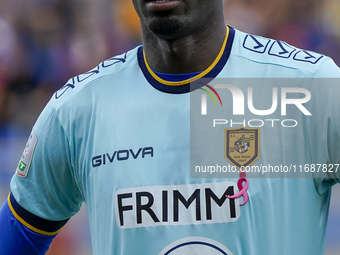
179,83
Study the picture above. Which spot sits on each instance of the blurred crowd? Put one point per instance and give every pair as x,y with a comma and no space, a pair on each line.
308,24
43,43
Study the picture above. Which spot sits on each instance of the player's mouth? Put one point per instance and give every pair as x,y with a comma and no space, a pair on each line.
162,5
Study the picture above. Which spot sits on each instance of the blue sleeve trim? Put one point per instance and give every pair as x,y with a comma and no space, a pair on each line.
33,222
15,238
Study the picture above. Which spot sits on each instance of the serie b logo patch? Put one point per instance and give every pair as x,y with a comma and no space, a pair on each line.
25,160
242,146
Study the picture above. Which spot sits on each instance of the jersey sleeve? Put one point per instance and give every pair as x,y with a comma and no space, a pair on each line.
324,125
17,238
44,183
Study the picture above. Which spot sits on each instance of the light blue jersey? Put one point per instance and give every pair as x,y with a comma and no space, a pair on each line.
118,139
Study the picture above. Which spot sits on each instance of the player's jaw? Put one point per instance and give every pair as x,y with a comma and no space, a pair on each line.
164,18
172,19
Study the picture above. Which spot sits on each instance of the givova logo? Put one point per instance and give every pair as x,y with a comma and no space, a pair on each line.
204,203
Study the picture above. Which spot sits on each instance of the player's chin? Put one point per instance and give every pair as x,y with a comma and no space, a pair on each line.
167,28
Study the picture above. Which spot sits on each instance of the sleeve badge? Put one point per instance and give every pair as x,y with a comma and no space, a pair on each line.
25,160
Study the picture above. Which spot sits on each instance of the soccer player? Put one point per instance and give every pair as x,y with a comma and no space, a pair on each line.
118,139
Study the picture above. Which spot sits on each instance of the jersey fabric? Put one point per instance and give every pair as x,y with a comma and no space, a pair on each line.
118,139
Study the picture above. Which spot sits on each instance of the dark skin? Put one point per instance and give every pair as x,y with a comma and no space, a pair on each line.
181,39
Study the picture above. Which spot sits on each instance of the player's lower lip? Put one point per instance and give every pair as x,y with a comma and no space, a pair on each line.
162,5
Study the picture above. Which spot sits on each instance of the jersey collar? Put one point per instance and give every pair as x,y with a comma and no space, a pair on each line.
179,87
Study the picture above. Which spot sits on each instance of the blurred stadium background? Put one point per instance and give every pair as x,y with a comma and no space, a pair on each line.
45,42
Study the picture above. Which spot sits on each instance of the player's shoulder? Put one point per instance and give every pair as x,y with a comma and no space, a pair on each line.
107,71
262,50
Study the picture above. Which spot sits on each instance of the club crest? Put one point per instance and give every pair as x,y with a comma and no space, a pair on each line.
242,146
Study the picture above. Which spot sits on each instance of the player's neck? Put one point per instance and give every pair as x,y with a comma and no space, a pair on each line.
189,54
